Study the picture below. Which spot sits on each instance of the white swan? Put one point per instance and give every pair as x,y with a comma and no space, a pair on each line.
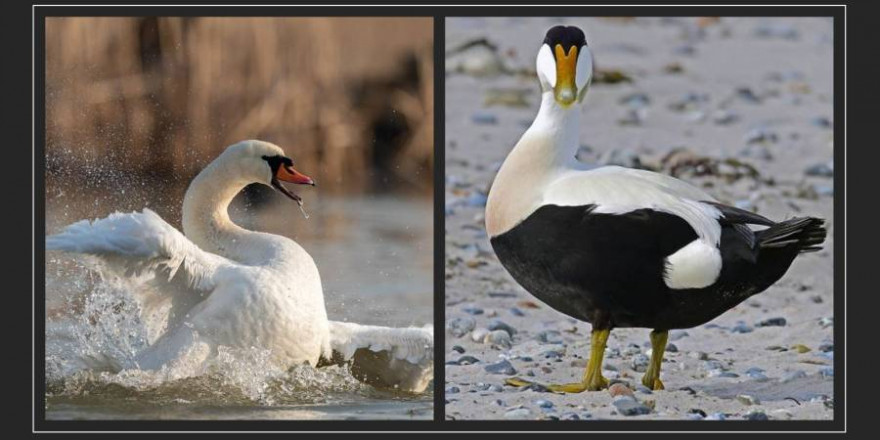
228,286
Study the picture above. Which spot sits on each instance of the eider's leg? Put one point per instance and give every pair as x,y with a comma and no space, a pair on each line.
658,346
593,380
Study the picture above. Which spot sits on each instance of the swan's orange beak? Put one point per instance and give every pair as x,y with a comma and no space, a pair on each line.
286,173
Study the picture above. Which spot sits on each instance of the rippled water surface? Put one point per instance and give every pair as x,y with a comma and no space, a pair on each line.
375,258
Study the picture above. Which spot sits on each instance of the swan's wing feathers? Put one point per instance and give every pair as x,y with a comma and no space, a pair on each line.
165,272
136,243
414,344
400,358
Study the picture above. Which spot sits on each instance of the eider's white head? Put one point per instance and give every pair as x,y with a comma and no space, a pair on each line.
565,65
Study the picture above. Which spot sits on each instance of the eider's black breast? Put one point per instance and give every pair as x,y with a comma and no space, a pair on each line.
594,266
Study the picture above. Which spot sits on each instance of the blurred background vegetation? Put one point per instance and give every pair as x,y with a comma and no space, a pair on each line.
349,99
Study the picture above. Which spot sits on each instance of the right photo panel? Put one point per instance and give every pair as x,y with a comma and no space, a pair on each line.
639,218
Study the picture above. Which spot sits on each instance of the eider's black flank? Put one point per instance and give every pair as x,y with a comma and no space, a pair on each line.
567,36
608,269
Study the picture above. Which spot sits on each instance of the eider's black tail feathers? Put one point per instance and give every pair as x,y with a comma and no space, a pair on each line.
805,233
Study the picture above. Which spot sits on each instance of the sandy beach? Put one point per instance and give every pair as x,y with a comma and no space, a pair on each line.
739,106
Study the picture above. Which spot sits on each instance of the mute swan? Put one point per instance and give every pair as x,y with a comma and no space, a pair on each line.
227,286
619,247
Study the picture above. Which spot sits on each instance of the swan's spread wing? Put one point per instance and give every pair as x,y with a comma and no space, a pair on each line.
166,272
400,358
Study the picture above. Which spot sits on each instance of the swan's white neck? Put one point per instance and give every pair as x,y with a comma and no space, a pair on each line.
206,219
547,148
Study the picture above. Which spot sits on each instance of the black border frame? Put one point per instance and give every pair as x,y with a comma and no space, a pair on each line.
39,424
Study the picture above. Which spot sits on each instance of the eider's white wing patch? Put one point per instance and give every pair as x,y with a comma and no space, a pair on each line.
618,190
694,266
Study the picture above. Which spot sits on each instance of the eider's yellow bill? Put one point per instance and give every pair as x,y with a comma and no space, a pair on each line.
566,65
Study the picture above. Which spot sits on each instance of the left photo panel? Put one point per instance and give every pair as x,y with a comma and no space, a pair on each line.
239,218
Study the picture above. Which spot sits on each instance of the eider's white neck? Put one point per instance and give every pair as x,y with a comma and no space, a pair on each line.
545,150
559,126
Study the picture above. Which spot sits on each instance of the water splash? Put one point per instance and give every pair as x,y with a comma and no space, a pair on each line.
92,347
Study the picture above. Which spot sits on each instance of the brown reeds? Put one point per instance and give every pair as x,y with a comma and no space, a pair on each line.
350,99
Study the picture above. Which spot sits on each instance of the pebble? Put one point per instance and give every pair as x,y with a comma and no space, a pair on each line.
748,95
518,414
823,190
772,322
480,386
484,118
498,338
746,399
688,101
549,337
826,346
569,416
822,122
756,415
452,390
478,335
618,389
716,416
544,404
820,170
643,389
677,334
724,117
671,348
551,354
827,321
741,327
497,324
459,327
756,373
458,349
757,151
699,355
801,348
640,363
472,310
629,406
698,412
776,30
503,367
635,100
476,200
799,374
517,312
633,116
466,360
760,135
713,365
782,413
632,349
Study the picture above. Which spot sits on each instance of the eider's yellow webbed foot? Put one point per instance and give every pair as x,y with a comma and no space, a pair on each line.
658,346
592,381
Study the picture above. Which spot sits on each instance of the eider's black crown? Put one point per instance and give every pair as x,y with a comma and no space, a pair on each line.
567,36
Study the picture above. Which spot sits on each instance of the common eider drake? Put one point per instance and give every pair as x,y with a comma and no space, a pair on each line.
620,247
